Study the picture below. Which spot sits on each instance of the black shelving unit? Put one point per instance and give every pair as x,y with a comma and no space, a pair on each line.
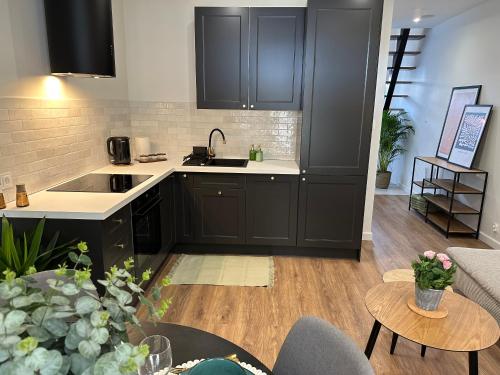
444,192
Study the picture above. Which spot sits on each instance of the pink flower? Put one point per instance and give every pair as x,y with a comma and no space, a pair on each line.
429,254
443,257
447,264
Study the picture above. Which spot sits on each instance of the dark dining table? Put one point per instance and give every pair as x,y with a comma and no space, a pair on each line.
189,343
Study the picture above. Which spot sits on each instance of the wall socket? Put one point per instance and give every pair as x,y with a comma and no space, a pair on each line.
6,181
495,228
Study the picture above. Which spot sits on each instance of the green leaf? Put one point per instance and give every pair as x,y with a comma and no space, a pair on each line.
107,365
57,327
134,287
79,363
73,257
47,362
156,293
69,289
83,328
89,349
99,335
59,300
13,321
85,260
86,305
40,333
72,338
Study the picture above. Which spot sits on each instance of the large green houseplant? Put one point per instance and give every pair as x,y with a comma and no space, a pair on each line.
396,128
68,328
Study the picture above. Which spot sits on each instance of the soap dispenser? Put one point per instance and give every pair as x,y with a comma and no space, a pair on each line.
259,155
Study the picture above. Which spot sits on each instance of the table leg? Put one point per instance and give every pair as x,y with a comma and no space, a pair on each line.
394,342
422,350
473,363
373,338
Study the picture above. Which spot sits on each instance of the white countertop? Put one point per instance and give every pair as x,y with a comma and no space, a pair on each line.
99,206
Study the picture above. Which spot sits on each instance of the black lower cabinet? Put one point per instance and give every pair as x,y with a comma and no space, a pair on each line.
184,208
331,211
167,194
219,215
271,210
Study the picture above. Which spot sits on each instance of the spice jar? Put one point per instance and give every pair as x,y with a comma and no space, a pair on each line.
21,196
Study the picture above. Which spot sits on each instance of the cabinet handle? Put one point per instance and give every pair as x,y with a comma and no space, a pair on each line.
219,192
272,178
303,178
303,171
120,245
251,105
244,105
184,175
118,221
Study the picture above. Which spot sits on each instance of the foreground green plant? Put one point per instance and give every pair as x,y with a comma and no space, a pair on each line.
68,328
396,128
28,254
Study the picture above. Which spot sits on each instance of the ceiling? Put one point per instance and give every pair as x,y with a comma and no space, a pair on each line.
406,10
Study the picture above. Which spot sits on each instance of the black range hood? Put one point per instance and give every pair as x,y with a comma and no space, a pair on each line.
80,37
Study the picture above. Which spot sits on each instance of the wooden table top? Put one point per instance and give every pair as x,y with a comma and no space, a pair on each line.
468,327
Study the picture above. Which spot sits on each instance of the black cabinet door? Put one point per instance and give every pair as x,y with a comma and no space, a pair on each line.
341,58
184,208
220,215
331,211
276,51
167,213
221,57
271,210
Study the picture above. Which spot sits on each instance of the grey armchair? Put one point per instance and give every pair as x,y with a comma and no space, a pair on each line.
316,347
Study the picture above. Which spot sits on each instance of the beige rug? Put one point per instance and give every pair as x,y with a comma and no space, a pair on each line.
236,270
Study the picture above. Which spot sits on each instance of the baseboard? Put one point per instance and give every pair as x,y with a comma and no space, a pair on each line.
367,236
490,241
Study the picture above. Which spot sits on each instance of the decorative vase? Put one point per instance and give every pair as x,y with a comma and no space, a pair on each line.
383,180
428,299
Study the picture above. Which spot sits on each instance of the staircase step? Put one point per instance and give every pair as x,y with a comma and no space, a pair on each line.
403,68
411,37
410,53
401,82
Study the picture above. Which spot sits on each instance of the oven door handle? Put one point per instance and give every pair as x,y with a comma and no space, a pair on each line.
144,210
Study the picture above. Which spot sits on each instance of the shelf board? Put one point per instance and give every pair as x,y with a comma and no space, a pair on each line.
410,37
410,53
443,202
401,82
425,184
447,184
398,96
403,68
441,220
448,166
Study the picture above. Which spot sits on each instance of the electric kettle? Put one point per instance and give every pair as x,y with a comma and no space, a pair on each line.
119,150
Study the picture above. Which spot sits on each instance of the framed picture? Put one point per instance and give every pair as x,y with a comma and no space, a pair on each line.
469,134
460,97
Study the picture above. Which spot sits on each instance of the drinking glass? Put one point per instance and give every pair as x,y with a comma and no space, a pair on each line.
159,360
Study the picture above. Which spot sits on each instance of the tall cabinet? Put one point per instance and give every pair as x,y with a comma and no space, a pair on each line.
341,59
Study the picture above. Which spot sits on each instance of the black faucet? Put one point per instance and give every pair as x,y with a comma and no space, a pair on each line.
211,151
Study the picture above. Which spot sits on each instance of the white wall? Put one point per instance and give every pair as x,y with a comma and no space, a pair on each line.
462,51
24,61
160,46
377,116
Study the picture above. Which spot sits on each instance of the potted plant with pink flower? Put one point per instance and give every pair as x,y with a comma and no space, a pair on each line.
433,273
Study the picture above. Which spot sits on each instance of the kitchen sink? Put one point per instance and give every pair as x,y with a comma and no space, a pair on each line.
241,163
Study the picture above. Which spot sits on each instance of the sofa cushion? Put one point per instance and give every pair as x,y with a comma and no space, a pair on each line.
481,265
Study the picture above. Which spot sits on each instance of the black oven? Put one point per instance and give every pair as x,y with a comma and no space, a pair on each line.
146,219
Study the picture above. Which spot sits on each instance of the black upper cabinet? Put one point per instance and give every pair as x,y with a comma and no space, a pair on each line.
271,210
80,37
341,58
249,58
221,57
276,51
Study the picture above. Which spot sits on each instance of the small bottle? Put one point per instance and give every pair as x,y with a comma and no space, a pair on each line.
252,153
259,155
2,201
21,196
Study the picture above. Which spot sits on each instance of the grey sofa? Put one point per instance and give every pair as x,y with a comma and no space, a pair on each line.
478,276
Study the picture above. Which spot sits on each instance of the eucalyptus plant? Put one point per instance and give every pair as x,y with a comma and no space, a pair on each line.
68,327
396,128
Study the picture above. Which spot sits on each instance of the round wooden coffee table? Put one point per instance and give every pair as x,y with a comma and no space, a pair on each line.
467,328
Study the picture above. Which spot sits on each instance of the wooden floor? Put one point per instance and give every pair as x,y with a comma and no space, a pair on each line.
258,319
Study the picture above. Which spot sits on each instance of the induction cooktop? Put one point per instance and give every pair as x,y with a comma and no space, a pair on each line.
102,183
